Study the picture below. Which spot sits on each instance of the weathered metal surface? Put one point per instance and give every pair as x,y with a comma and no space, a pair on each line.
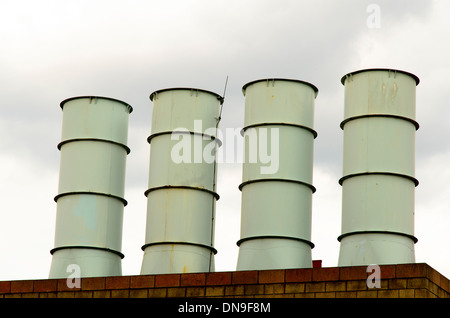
90,199
95,117
195,173
176,257
274,253
89,220
378,183
277,175
92,166
75,262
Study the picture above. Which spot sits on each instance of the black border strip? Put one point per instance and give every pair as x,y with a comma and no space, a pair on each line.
341,180
130,109
278,180
155,93
215,194
184,132
412,121
128,150
125,202
239,242
343,78
87,247
412,237
280,124
212,249
273,79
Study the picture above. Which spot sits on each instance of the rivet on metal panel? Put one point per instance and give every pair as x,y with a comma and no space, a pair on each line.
348,77
393,72
270,80
194,91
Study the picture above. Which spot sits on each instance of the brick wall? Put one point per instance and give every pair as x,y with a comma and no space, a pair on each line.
397,281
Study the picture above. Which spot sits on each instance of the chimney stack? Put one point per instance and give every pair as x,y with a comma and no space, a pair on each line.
277,175
90,198
378,182
181,195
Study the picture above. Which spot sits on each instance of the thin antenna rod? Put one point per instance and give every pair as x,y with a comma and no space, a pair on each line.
225,88
213,215
223,99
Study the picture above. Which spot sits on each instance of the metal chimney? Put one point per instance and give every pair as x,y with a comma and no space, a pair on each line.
277,193
90,198
378,182
181,195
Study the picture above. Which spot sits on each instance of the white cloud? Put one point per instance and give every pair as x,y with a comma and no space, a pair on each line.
27,223
431,216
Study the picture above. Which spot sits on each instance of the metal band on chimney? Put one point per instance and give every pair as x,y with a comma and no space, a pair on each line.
52,251
213,250
412,121
181,132
391,73
193,91
312,131
282,237
215,194
125,202
127,149
412,237
313,189
341,180
94,99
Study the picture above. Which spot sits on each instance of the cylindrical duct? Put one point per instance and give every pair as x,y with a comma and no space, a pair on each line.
90,200
378,182
277,175
181,196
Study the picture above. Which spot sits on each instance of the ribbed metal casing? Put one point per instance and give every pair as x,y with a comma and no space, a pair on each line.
90,199
277,196
378,183
181,194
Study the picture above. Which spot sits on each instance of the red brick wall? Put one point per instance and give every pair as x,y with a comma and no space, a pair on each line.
397,281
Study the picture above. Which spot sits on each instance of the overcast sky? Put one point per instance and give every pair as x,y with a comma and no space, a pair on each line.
52,50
